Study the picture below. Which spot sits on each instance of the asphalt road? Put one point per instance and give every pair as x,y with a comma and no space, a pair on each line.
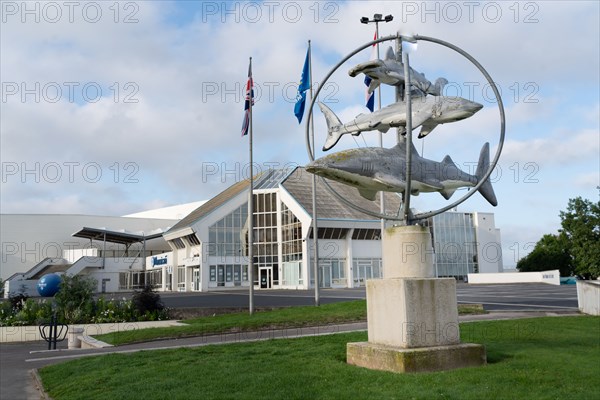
507,297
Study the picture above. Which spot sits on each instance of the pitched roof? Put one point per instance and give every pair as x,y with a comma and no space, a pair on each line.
211,205
264,180
299,185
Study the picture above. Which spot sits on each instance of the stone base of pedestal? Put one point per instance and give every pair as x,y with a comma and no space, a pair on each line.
422,359
412,312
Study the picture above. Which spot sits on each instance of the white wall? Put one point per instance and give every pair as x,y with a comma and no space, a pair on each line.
366,248
489,248
588,297
552,277
26,287
75,254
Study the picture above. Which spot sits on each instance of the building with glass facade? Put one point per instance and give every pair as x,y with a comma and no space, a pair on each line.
209,246
465,243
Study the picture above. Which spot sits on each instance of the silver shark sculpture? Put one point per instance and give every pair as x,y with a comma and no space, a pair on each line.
427,112
374,169
391,72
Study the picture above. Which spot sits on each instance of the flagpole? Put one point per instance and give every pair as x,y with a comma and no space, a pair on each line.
314,190
251,200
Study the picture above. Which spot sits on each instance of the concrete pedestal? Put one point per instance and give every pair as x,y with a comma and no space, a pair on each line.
407,252
412,317
424,359
412,312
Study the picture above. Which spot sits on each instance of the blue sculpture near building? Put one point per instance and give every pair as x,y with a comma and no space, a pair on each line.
48,285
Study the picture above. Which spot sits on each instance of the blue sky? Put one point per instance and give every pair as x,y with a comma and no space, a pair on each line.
112,108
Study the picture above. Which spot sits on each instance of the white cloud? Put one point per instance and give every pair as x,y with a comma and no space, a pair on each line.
562,147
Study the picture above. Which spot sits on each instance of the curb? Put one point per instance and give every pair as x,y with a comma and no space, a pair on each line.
37,381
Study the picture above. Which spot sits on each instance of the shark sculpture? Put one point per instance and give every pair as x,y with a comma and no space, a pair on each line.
391,72
374,169
427,112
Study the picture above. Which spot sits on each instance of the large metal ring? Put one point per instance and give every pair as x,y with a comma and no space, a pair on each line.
491,167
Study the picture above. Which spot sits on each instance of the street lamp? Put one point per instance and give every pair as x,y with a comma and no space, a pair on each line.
377,18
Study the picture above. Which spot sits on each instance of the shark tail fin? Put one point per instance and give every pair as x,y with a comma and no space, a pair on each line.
486,190
334,125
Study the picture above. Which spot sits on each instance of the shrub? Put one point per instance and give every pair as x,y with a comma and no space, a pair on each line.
149,305
74,300
74,303
113,311
17,302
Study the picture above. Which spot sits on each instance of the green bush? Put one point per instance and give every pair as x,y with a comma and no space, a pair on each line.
113,311
74,304
149,305
74,300
29,312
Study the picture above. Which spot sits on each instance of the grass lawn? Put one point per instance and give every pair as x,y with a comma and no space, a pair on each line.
538,358
292,317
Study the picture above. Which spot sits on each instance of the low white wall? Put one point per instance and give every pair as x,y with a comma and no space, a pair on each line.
588,297
9,334
552,277
26,287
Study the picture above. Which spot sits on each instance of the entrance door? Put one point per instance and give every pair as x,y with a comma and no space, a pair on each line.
196,279
325,271
220,275
364,272
265,278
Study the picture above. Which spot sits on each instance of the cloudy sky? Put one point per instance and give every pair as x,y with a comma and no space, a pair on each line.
111,108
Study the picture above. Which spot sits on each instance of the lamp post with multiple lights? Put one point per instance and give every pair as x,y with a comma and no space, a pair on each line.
377,18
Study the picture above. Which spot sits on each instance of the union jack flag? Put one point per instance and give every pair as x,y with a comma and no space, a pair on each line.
247,105
370,97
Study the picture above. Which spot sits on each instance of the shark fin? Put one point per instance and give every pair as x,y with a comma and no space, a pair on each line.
420,118
447,161
368,194
486,190
389,54
374,85
380,126
447,193
334,127
426,129
438,86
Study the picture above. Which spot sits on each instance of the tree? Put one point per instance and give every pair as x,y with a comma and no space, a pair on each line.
550,252
74,299
581,226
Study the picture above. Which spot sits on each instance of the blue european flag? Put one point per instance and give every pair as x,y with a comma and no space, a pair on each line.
302,88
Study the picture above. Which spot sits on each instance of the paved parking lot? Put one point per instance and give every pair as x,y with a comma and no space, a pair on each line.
506,297
520,297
